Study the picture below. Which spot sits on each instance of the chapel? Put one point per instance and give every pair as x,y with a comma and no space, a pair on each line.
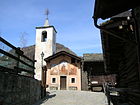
62,69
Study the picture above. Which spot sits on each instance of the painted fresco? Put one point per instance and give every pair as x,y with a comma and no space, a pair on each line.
72,70
54,71
63,68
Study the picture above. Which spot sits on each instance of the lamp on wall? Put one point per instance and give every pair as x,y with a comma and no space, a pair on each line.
42,55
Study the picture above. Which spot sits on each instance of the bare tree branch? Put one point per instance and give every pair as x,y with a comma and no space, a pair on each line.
23,39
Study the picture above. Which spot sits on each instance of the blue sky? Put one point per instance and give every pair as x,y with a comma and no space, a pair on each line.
71,18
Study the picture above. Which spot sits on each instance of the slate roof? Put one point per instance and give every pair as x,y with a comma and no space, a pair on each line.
30,50
93,57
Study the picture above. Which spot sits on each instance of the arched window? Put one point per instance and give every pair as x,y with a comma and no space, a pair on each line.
44,36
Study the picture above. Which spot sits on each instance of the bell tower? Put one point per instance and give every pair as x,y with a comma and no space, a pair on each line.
45,45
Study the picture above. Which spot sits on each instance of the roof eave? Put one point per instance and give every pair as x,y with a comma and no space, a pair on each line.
102,7
46,27
61,53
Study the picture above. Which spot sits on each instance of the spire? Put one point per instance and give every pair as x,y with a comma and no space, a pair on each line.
46,21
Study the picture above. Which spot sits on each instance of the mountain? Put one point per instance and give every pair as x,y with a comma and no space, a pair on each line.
30,50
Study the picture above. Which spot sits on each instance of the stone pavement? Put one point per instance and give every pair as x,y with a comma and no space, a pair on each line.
74,98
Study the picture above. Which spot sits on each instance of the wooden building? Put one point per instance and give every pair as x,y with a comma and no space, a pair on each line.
63,71
93,73
121,47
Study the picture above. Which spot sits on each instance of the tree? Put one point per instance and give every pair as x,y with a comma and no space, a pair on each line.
23,39
0,42
1,46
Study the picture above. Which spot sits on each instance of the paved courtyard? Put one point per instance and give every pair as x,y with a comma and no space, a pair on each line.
74,98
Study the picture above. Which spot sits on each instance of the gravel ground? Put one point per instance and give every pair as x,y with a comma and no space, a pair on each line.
74,98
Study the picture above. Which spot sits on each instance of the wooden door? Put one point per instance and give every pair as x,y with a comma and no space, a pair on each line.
63,82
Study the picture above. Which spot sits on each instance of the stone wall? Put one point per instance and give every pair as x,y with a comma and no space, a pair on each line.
18,90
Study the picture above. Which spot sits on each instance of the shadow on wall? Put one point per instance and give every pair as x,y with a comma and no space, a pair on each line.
48,96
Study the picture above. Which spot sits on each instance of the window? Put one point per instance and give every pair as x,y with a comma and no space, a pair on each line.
44,36
53,80
72,80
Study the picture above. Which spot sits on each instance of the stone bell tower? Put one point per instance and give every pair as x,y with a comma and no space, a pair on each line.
45,46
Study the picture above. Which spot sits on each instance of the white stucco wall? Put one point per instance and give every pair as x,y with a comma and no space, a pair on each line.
48,48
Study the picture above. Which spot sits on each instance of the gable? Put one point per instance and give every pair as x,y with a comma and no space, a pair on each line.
63,54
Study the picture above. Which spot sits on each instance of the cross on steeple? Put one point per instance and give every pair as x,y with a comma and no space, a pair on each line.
47,13
47,20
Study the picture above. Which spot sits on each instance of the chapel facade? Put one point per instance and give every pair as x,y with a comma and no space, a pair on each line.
63,71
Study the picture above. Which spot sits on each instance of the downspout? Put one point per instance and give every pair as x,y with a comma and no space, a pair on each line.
109,32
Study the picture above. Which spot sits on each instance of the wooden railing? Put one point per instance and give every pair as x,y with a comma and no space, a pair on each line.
13,60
